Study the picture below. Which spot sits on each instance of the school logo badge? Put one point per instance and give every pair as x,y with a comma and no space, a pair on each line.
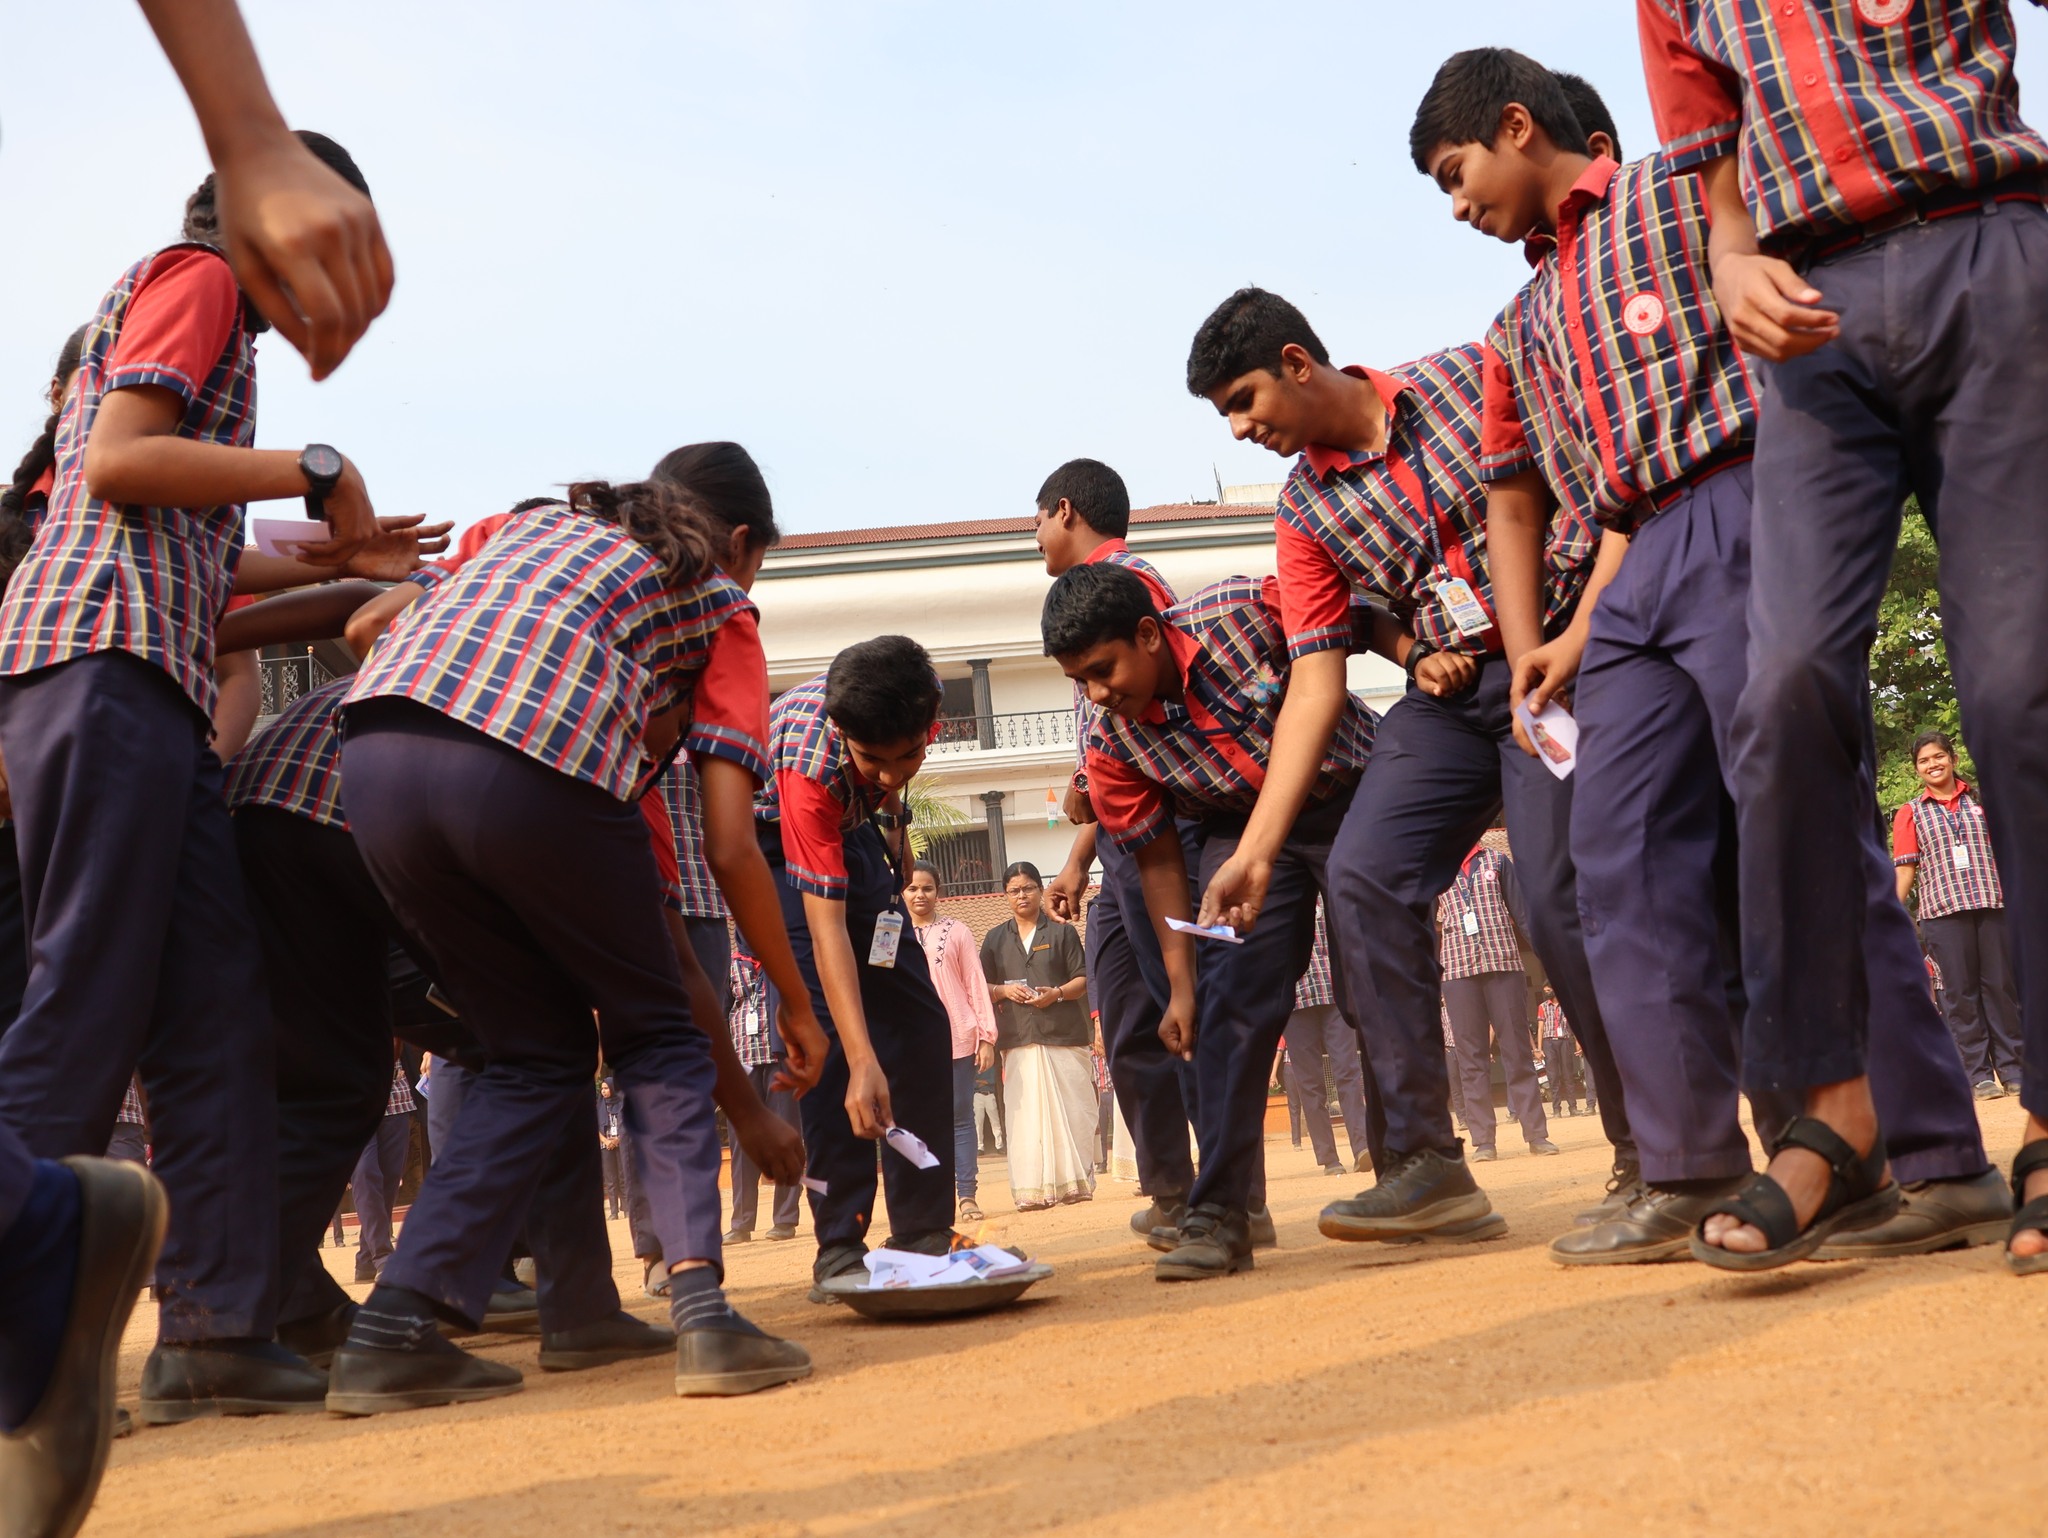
1643,314
1882,13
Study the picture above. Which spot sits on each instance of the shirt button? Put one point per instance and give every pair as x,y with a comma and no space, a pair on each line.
1844,152
1811,78
1789,9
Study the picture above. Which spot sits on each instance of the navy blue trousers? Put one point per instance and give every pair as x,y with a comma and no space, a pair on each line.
1243,996
913,1042
1656,703
143,955
1441,769
711,942
1937,386
535,896
375,1182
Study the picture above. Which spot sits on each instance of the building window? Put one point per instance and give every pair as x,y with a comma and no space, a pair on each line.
963,862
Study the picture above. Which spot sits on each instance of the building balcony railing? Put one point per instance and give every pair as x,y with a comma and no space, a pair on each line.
286,678
994,734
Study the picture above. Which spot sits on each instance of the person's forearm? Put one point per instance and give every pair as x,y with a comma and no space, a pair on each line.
1518,512
375,617
1904,875
1390,638
162,470
732,1089
733,854
838,975
209,48
317,614
239,702
1731,227
1163,878
1308,718
1081,856
1606,567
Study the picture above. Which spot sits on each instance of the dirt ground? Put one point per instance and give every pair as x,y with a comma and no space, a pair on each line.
1341,1388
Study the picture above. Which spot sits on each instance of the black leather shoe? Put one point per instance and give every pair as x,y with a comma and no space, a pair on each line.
1418,1193
515,1311
317,1336
1165,1212
738,1236
834,1260
1624,1185
782,1231
369,1381
712,1363
1934,1215
50,1465
1259,1224
190,1381
1214,1241
1543,1145
1657,1225
617,1339
1485,1155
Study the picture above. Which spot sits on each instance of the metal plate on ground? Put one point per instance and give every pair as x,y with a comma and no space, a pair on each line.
949,1301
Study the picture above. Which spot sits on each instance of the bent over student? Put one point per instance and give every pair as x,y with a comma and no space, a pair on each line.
496,749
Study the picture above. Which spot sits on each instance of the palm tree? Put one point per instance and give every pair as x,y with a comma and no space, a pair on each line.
929,814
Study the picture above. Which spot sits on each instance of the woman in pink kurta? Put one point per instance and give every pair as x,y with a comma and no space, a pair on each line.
955,959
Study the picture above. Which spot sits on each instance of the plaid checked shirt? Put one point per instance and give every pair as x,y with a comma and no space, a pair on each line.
131,1106
1394,525
1840,111
1114,552
401,1102
699,893
1316,986
753,1033
1927,833
803,744
1550,1021
294,763
560,638
1207,756
151,581
1611,370
1477,919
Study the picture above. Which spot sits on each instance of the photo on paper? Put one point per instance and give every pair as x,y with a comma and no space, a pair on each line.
1554,733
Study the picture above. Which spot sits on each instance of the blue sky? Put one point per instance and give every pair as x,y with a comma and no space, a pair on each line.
912,254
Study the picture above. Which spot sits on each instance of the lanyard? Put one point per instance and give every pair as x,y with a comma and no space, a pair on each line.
1444,555
1951,823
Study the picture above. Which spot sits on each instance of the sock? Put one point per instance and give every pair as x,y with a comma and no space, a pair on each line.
697,1302
38,1267
397,1319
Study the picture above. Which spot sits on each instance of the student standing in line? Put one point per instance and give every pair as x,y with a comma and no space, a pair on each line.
754,1038
956,972
832,825
1386,499
1663,427
76,1241
1942,842
1186,705
1317,1033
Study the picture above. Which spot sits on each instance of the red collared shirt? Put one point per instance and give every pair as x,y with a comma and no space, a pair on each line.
1841,111
1611,370
1398,524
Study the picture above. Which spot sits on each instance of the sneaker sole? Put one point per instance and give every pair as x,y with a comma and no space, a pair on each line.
726,1385
415,1399
1843,1246
1477,1231
1167,1271
175,1412
579,1361
1456,1210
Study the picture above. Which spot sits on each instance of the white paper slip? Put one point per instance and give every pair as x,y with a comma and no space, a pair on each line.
1223,932
1555,734
911,1146
901,1268
287,536
819,1185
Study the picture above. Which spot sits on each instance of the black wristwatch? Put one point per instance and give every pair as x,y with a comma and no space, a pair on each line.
1416,653
320,464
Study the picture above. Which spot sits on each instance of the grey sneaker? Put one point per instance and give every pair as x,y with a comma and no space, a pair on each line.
1419,1193
1214,1241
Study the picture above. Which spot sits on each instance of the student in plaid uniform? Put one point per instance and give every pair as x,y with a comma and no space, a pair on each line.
1560,1056
831,823
1853,152
131,1128
1485,992
497,740
752,1023
1318,1033
1187,702
106,689
377,1174
1386,500
1941,843
1662,428
1084,512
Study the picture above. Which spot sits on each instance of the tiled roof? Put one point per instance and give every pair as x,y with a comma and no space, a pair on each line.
902,533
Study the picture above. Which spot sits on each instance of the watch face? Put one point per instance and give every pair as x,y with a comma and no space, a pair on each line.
321,462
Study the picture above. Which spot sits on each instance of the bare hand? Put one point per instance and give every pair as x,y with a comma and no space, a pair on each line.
306,248
867,1099
1019,993
1237,892
1444,674
1044,998
1770,308
1063,895
984,1056
349,516
1542,675
803,1047
776,1147
1177,1028
395,551
1079,809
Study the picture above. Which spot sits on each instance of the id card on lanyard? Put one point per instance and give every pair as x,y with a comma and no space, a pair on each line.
1461,601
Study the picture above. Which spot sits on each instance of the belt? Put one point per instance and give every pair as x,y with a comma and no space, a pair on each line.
1802,251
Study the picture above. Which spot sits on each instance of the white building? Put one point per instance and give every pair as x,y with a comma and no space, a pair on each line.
971,593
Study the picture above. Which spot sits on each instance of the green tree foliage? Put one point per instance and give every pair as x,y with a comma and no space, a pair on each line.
929,815
1911,690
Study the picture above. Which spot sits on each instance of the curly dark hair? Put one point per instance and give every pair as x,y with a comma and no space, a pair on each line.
671,522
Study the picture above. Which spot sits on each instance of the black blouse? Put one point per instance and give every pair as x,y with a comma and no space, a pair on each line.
1056,958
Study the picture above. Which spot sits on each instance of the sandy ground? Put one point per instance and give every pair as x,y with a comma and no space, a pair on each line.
1346,1388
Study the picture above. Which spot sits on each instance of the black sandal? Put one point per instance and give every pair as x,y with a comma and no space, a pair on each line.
1855,1199
2031,1158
